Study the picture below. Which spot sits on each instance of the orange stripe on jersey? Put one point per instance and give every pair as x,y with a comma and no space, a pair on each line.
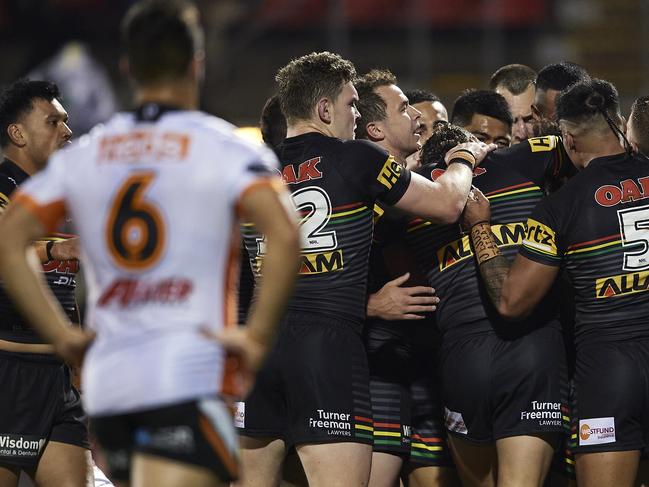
230,289
49,215
213,438
272,182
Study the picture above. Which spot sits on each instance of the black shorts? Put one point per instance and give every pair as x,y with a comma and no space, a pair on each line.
406,403
495,388
313,388
611,399
196,432
38,403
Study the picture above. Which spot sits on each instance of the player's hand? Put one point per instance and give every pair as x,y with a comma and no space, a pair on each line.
249,352
72,345
66,249
396,302
477,148
476,210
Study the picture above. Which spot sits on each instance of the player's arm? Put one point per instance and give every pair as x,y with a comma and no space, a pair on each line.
442,200
516,289
23,280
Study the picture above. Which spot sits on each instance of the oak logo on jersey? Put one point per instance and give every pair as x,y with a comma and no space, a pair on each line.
306,171
540,237
543,144
458,250
609,287
390,173
623,192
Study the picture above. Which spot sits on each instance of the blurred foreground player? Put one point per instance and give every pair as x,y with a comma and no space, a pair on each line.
156,264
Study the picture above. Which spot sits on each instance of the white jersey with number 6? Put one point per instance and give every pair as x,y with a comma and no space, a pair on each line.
154,199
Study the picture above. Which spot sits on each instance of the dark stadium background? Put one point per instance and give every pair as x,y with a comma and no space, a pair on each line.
442,45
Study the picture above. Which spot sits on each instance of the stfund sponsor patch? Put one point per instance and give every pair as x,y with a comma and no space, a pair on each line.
596,431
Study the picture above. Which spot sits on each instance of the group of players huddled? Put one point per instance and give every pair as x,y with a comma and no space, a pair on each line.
424,300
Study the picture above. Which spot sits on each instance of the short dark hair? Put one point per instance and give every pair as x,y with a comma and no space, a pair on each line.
584,101
161,38
305,80
443,138
370,104
418,96
272,122
559,76
17,99
484,102
513,77
640,122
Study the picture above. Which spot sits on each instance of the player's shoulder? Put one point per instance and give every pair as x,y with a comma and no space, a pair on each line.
362,150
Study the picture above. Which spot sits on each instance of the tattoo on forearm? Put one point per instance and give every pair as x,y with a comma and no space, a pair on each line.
493,273
493,266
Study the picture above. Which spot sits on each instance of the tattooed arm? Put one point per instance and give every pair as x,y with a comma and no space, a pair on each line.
514,289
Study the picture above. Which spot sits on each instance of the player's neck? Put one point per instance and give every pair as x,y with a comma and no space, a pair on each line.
400,158
180,94
20,159
302,127
601,148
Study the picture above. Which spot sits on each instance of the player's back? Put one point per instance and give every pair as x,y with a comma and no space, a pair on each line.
596,227
154,198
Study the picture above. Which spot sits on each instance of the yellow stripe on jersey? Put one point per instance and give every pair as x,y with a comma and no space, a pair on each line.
540,237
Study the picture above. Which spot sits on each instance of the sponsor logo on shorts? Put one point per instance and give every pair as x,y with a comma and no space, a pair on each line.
595,431
20,446
546,413
454,421
240,414
335,423
171,438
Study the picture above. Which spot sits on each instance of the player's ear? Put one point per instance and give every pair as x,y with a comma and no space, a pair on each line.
374,132
570,141
324,110
16,135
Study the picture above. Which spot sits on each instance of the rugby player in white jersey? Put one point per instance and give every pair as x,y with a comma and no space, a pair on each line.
155,195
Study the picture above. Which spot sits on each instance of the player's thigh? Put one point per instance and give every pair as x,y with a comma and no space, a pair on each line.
476,463
429,476
261,461
153,471
9,476
603,469
336,464
525,460
385,469
63,465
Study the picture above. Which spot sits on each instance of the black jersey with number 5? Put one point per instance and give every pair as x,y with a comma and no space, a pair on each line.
597,228
333,186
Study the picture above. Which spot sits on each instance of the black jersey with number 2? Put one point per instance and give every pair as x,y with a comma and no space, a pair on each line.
333,186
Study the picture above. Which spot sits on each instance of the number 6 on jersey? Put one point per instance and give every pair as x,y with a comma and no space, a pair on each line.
135,230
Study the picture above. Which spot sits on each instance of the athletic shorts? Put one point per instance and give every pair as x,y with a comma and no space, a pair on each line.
313,388
197,433
495,388
611,399
406,407
38,403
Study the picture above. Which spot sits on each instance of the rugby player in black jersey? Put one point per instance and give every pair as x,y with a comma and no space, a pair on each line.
504,394
407,417
486,115
42,425
432,109
313,393
595,228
